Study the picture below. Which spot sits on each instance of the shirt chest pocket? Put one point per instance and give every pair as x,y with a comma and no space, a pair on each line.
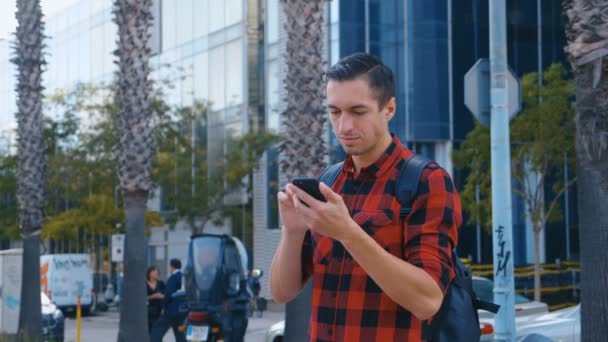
384,226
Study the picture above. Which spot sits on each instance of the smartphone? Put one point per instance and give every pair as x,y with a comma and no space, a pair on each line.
311,186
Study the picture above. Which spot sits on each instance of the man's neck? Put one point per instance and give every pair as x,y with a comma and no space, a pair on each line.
372,156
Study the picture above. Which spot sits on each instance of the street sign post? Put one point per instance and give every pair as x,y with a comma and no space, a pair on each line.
477,91
501,95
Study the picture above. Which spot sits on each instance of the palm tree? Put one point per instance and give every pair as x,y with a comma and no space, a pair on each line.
587,35
304,151
134,152
29,60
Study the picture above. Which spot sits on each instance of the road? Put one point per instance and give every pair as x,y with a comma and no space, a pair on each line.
104,327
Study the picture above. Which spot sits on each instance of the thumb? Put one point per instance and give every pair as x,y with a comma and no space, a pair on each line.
328,192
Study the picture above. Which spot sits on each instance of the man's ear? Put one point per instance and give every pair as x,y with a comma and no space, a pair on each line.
390,108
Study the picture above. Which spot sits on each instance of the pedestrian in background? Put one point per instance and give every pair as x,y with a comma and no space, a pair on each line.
171,317
155,289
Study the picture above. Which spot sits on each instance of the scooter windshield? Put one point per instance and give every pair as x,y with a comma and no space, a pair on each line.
207,261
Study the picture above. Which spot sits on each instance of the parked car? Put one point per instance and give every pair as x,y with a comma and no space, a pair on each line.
53,327
561,325
525,309
275,332
484,288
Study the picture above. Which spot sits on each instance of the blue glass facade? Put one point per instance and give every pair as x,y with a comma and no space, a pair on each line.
430,45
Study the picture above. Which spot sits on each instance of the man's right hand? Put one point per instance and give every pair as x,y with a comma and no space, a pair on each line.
292,221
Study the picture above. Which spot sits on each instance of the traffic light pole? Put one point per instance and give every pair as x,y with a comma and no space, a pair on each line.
502,237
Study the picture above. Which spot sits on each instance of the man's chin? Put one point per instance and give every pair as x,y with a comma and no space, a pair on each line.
353,151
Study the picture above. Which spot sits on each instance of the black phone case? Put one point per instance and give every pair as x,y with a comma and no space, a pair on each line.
311,186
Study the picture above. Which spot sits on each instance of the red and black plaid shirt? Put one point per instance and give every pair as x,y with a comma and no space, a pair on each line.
347,305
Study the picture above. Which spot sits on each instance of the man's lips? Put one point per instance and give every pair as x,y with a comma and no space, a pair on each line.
349,138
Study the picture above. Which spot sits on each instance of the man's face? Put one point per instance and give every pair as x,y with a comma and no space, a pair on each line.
357,120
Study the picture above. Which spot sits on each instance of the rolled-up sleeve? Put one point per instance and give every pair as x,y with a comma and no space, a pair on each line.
431,229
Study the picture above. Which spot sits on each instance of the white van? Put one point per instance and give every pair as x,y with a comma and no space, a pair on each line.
65,277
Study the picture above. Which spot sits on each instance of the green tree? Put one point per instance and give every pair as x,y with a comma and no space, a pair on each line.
541,136
29,60
587,35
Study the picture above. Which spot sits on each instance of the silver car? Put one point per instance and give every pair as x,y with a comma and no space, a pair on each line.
561,325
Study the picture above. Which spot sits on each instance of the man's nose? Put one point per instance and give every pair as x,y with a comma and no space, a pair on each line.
345,125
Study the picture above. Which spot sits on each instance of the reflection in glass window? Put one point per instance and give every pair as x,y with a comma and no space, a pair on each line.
200,23
216,78
201,77
234,73
272,18
272,96
234,11
184,26
169,13
216,17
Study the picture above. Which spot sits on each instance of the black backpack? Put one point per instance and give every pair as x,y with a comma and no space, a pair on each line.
457,319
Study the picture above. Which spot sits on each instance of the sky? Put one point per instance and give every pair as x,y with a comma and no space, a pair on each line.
8,22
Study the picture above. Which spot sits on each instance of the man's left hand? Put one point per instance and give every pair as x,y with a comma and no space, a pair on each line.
329,218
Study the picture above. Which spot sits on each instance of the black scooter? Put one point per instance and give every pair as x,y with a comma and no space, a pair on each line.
216,295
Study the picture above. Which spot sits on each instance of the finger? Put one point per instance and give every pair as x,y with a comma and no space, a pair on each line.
328,192
303,196
283,197
301,208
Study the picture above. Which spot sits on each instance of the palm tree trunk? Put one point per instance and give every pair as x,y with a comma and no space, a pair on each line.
587,34
30,322
135,151
305,150
31,179
133,317
537,282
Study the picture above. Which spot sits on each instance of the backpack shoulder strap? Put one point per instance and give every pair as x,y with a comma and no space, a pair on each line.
407,182
330,174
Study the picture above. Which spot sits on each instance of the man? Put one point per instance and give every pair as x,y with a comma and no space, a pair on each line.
376,276
171,317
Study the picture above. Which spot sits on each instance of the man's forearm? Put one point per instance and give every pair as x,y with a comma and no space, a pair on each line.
286,269
409,286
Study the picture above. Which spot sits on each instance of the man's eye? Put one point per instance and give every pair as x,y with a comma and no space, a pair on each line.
334,112
359,113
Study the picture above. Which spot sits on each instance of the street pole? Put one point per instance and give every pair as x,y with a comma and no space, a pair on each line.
478,225
502,237
567,206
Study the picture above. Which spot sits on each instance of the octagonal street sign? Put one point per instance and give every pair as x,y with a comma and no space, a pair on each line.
477,92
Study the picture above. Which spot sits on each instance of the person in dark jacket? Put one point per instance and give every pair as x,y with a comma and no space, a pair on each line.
155,290
171,317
